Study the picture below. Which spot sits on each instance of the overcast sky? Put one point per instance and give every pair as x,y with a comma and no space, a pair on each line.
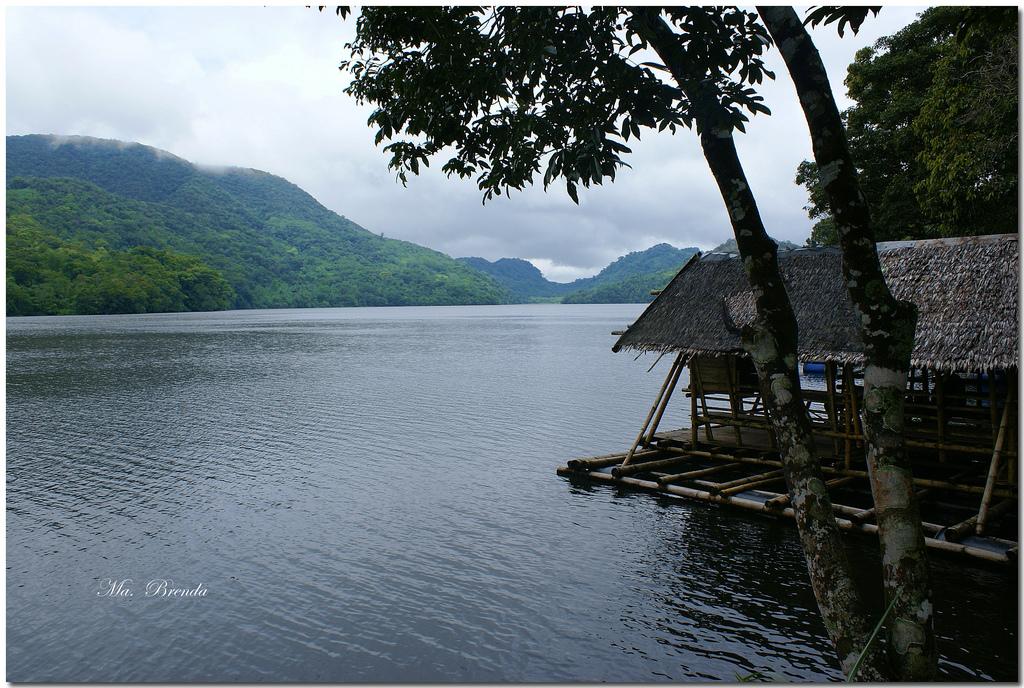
259,87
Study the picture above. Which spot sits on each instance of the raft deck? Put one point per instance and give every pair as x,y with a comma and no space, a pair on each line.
744,470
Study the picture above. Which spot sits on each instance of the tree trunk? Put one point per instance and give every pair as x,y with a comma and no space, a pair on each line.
771,342
887,327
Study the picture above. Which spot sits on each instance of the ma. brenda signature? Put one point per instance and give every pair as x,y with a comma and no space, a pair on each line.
156,587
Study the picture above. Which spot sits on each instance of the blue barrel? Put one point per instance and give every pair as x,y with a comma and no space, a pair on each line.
814,368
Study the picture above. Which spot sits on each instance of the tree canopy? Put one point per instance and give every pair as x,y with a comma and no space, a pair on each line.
512,93
934,128
107,227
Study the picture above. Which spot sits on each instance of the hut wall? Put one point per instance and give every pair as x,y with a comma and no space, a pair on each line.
950,417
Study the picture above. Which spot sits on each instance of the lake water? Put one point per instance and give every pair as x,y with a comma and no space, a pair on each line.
370,495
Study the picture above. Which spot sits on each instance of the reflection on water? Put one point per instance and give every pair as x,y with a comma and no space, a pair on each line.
369,494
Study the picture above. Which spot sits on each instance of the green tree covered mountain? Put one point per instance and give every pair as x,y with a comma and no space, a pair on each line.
98,226
729,246
630,289
628,279
520,277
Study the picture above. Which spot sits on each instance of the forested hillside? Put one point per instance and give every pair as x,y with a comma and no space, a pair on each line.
632,289
96,226
520,277
628,279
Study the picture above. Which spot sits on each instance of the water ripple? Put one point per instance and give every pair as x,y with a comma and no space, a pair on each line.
369,495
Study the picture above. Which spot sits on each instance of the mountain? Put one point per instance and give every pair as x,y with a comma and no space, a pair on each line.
520,277
657,258
729,246
630,289
629,279
100,226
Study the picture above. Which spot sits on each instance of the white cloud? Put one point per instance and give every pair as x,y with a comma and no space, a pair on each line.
259,87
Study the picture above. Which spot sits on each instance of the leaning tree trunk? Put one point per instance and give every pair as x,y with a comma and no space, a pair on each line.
771,342
887,327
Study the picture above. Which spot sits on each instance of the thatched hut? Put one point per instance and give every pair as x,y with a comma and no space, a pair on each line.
965,290
961,396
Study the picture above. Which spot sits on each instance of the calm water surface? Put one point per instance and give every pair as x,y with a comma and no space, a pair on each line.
370,495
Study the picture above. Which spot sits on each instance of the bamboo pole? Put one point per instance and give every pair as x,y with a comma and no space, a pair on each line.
940,400
719,487
758,506
733,376
868,513
751,485
708,435
854,413
680,364
993,407
632,468
1011,463
694,425
830,406
961,530
700,473
828,470
993,469
783,499
640,437
847,423
608,459
920,444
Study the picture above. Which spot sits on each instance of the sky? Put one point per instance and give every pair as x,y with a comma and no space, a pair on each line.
259,87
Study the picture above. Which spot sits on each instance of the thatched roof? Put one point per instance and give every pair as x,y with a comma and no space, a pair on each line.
965,290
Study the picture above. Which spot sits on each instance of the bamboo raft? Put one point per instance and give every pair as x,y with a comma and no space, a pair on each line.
960,433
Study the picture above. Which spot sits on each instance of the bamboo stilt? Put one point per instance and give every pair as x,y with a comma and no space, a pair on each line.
830,406
847,423
680,364
704,405
993,470
640,437
854,413
993,410
693,403
734,397
940,402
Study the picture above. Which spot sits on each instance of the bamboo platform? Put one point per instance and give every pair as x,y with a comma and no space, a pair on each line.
738,467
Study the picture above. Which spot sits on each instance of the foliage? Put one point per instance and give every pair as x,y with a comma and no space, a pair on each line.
629,289
656,259
517,90
934,128
968,126
628,279
49,276
272,243
844,16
